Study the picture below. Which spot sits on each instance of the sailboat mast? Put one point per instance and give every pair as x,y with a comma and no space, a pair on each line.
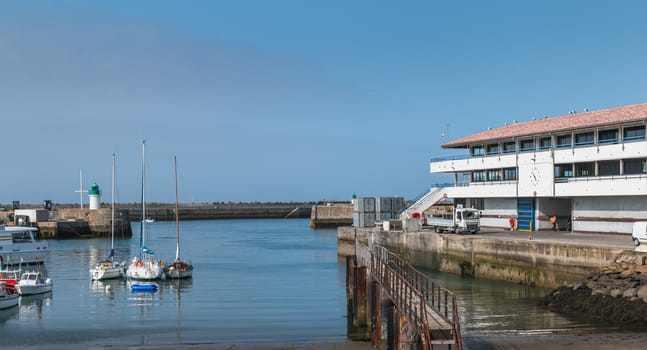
141,228
112,208
177,213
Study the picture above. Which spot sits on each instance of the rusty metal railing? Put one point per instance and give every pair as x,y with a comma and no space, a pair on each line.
412,291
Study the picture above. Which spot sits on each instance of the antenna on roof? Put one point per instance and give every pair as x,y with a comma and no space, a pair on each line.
586,109
445,133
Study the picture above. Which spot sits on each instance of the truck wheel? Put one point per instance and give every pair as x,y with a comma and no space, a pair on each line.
473,232
636,241
437,229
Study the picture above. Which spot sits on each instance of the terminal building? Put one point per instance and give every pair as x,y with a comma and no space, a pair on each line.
588,169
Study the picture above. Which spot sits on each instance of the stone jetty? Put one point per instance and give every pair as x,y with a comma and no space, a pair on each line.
617,292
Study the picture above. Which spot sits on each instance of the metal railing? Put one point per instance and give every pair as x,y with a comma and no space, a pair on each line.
414,293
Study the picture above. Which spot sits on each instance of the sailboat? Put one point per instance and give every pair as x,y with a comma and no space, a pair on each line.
179,268
144,266
109,268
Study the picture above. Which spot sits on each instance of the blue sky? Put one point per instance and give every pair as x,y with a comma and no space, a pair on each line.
290,100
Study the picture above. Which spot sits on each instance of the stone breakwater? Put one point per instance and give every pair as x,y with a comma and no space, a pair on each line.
618,292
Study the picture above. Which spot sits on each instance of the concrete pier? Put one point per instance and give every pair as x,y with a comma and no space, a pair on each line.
548,260
331,215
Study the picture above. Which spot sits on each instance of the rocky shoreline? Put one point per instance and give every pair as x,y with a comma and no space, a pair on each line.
617,292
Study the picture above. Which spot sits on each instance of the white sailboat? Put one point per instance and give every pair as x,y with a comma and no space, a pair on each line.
144,267
179,268
109,268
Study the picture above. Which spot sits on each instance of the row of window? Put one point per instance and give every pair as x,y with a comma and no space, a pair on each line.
506,174
601,168
561,141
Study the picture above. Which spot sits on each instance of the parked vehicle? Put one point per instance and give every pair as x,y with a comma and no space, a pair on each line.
458,221
639,232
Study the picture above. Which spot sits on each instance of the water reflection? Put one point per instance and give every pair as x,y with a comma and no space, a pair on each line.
494,307
8,314
31,306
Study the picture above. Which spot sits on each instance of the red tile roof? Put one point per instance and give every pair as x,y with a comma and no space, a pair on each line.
605,117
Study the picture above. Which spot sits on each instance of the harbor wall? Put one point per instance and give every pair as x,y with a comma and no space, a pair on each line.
67,221
166,212
535,263
331,215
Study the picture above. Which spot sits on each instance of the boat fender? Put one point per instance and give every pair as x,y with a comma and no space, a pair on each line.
139,263
161,262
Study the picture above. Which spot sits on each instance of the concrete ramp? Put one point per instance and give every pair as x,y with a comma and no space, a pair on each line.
434,195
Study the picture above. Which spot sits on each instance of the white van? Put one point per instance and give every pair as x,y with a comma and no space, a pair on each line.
639,232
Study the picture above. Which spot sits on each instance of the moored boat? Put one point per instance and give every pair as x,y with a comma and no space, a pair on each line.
32,282
109,268
143,287
8,296
178,268
144,266
10,277
18,245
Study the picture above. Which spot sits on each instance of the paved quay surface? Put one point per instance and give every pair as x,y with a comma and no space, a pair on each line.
590,239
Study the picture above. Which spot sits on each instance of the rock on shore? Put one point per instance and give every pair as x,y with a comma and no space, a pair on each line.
616,293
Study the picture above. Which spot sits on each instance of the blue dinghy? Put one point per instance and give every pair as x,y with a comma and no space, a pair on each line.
143,287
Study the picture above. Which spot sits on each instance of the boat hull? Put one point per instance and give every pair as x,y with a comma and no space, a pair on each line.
106,273
146,271
9,301
178,270
143,287
30,253
33,289
177,274
8,296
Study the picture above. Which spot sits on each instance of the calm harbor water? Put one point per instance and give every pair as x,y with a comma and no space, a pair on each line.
255,281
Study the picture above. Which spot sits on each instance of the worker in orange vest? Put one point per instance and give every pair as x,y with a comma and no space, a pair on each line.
553,220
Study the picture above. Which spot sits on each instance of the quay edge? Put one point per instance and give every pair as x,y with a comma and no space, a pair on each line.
530,262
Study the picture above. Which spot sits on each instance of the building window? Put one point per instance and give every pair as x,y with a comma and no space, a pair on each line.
477,203
584,169
635,166
563,170
493,148
510,174
494,175
545,143
509,147
585,138
609,168
527,145
477,151
478,176
564,141
608,136
634,133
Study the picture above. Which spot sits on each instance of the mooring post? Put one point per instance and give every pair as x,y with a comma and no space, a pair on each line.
392,325
376,313
351,330
361,302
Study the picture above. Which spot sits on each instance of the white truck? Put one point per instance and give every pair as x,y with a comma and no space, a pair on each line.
458,221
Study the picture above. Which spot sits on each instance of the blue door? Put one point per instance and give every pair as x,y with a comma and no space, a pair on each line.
526,214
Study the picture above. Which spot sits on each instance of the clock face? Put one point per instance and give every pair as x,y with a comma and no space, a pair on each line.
534,176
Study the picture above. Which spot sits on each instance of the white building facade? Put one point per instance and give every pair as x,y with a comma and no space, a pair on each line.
588,169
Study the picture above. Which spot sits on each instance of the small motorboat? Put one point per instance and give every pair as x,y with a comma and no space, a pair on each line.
32,282
8,296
